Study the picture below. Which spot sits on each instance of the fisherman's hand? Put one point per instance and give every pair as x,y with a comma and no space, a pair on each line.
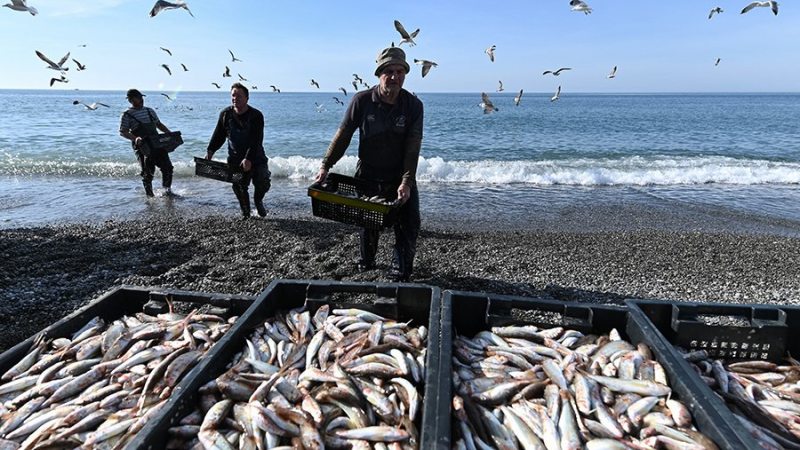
403,193
321,175
246,165
209,155
137,141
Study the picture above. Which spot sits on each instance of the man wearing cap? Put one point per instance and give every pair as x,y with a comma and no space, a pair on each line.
136,123
389,120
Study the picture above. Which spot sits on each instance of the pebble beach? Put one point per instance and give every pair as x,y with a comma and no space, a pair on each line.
601,254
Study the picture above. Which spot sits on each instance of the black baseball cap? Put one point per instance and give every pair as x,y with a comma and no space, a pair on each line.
134,93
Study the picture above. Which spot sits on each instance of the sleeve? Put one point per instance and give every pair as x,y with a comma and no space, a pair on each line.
124,123
219,135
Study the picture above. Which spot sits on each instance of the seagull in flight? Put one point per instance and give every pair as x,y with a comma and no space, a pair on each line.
319,107
241,78
518,98
613,73
166,50
407,38
338,101
63,79
166,67
580,5
716,61
255,88
770,4
227,72
343,91
314,83
490,51
556,72
233,58
162,5
21,5
355,85
59,67
426,65
274,88
500,86
184,67
92,107
80,66
216,85
716,10
357,78
168,97
556,97
487,104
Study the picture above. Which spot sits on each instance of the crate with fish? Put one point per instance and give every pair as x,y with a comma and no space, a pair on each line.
216,170
315,364
541,373
741,357
355,201
95,377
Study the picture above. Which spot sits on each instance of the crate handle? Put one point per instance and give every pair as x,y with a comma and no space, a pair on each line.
571,315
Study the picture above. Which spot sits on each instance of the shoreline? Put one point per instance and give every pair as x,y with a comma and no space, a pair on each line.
598,255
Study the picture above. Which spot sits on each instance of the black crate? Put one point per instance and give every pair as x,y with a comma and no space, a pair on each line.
403,302
338,198
161,143
762,329
467,313
216,170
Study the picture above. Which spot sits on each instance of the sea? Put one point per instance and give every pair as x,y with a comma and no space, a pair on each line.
735,154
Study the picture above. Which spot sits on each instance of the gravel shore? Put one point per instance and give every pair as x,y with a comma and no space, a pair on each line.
50,271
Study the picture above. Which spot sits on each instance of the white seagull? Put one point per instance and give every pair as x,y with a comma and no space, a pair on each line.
490,51
580,5
518,98
499,86
426,65
716,10
233,58
21,5
59,67
80,66
407,38
770,4
716,61
487,104
166,67
162,5
558,92
63,79
319,107
92,107
556,72
613,73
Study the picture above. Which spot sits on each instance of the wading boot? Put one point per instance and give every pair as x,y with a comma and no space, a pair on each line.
148,188
244,200
258,199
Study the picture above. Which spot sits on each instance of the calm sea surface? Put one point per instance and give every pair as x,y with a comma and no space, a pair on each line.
738,153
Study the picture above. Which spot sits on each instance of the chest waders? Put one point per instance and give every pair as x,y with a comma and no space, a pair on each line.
149,163
239,141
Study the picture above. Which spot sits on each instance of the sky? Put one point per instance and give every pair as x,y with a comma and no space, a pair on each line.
658,46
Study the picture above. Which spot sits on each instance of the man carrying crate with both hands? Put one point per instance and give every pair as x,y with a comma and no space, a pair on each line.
389,120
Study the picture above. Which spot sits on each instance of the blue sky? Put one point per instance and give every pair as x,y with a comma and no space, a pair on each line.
666,46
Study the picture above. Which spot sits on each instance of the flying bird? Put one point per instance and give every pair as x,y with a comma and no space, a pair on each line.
63,79
556,97
499,86
21,5
184,67
241,78
167,96
343,91
338,101
580,5
487,104
770,4
407,38
233,58
162,5
80,66
166,67
92,107
166,50
426,65
357,78
716,10
518,98
355,85
255,88
556,72
216,85
227,72
716,61
60,66
274,88
490,51
613,73
319,107
314,83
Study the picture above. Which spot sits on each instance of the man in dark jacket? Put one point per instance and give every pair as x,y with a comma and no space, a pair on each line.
389,120
243,127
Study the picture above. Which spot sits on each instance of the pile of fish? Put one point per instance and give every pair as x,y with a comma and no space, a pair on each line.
99,387
556,389
764,396
342,378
